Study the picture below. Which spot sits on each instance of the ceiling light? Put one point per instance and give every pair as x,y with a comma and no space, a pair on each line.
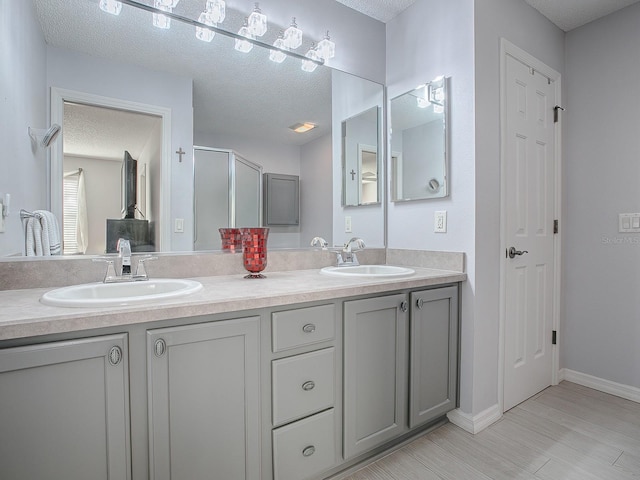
242,45
111,6
276,55
205,34
326,48
257,22
216,10
293,36
308,65
303,127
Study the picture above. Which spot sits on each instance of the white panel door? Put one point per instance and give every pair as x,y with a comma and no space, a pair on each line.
529,189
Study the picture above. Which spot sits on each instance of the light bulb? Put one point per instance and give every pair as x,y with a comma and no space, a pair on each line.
308,65
166,3
257,22
438,108
205,34
217,10
111,6
243,45
275,55
293,36
326,48
159,20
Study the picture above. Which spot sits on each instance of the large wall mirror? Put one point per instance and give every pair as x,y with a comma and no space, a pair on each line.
419,143
118,84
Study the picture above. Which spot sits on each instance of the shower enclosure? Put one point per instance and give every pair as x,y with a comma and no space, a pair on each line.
227,193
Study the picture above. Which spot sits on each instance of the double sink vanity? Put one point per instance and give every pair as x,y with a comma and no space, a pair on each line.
302,375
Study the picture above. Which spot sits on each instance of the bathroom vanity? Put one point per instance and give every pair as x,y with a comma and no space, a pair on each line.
297,376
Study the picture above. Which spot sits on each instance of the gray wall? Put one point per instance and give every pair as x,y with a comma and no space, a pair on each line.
601,331
316,191
22,105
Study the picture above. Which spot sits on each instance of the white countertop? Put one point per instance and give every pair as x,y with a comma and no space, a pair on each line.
22,315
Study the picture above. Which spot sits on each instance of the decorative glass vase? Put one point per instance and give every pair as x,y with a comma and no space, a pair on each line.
254,250
231,239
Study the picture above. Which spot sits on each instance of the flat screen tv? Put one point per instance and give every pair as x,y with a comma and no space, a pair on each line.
129,177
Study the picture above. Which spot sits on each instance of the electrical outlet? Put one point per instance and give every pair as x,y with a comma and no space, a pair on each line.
440,222
179,226
347,224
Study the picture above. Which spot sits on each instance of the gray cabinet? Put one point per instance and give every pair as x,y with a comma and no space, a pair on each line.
64,410
433,354
375,372
204,401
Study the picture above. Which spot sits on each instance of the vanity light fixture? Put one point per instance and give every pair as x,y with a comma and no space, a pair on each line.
326,48
111,6
160,20
278,56
217,10
257,22
312,54
207,26
303,127
205,34
243,45
435,94
293,36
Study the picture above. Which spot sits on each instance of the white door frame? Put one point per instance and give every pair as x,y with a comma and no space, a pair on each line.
507,48
58,97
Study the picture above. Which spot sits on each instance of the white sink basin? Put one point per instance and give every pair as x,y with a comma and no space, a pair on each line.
376,271
114,294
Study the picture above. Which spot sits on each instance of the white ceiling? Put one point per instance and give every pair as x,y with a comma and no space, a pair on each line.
570,14
383,10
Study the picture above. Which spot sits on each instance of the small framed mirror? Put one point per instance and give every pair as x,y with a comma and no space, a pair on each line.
361,159
419,143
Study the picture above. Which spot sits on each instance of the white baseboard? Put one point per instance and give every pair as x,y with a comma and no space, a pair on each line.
475,423
606,386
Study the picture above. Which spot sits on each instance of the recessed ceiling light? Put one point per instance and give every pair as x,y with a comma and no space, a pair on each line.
303,127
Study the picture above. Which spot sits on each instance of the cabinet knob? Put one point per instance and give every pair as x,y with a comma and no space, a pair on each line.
403,307
115,355
308,451
309,328
310,385
159,347
420,303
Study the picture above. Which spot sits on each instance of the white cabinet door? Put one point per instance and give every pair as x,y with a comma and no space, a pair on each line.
375,372
204,401
64,410
434,354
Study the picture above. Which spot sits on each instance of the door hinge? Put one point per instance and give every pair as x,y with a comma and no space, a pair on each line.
556,226
554,337
555,113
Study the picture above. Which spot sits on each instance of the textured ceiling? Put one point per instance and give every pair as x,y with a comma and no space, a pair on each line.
570,14
106,133
383,10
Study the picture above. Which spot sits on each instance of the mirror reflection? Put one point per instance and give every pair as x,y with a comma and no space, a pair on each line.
419,143
194,93
361,159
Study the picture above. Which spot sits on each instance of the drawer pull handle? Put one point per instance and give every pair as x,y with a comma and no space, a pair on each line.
403,307
306,386
310,450
420,303
309,328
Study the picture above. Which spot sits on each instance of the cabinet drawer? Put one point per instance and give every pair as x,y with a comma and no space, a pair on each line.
302,385
303,326
304,448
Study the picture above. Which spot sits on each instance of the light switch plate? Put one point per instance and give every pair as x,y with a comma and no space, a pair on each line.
440,222
179,227
347,224
628,222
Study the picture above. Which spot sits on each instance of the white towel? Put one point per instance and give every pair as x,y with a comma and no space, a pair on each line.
42,235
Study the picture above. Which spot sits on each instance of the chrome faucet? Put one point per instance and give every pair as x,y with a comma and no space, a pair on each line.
124,252
347,257
319,242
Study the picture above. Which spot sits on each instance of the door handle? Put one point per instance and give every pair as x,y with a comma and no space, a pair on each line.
512,252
